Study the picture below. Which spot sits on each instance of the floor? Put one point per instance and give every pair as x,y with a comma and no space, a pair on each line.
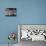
28,43
7,45
34,43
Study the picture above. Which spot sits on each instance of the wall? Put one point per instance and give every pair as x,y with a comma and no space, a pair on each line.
28,12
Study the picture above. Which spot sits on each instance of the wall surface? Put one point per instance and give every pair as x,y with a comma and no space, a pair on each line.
28,12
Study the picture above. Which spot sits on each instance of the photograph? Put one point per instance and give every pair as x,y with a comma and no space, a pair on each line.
31,33
10,12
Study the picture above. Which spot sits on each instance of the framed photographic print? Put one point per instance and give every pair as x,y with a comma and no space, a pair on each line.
32,32
10,12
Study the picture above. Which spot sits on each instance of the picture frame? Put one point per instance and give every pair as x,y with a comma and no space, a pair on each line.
10,12
39,28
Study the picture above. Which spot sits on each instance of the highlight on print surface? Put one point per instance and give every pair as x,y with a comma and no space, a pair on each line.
10,12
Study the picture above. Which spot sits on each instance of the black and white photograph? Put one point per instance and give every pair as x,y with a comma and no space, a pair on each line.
10,12
31,34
